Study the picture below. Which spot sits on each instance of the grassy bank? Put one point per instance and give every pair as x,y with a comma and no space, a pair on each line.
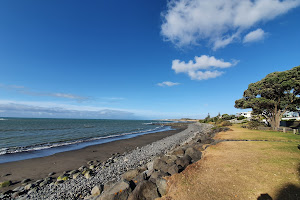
242,169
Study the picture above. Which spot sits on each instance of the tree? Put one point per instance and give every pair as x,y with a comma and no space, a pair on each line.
273,95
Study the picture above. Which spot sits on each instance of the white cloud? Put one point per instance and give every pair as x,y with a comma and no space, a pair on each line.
254,36
36,109
221,22
167,83
200,69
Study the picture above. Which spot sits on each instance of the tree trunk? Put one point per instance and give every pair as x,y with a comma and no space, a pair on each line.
275,119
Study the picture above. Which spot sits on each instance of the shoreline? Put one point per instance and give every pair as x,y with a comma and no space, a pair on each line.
108,175
39,168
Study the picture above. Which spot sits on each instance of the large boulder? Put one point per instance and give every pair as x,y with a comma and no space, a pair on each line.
161,186
157,174
96,190
178,152
146,190
158,164
170,159
193,153
119,191
150,165
128,176
140,178
173,169
183,161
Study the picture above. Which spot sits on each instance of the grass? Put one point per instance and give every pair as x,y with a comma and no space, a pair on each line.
242,169
247,134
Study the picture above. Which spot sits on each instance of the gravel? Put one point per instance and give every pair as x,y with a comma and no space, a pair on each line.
114,167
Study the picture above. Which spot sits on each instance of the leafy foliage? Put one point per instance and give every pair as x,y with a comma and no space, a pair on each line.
273,95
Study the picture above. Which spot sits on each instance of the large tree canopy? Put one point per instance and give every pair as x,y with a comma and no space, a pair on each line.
273,95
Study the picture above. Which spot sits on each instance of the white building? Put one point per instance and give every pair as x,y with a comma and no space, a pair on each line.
291,115
245,114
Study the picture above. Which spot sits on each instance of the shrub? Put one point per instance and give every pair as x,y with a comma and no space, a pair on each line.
254,124
226,123
241,118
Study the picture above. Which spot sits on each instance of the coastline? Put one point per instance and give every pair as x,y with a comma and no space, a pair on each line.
39,168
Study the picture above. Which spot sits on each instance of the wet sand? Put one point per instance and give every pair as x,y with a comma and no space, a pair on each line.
39,168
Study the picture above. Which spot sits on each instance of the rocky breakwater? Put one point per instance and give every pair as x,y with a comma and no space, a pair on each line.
134,175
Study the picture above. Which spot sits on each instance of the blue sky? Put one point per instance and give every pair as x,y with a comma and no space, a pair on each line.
140,59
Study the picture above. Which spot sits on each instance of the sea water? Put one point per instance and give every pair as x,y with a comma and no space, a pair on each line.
24,138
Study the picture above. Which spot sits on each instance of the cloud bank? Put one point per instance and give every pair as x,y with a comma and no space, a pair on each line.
221,22
167,83
8,109
203,68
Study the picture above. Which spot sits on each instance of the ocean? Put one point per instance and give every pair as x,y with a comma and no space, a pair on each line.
25,138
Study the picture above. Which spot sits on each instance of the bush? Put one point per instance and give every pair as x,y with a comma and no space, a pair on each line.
226,123
241,118
254,124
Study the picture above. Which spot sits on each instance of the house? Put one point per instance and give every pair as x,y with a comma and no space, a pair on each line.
245,114
291,115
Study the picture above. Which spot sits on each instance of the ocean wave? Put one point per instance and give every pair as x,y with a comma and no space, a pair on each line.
2,119
12,150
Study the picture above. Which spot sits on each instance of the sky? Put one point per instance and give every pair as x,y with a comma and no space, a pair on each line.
140,59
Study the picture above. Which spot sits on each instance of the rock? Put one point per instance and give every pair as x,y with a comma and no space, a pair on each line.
139,178
158,164
178,152
38,182
48,179
193,153
149,172
87,175
43,183
66,172
29,186
157,174
90,162
58,182
170,159
92,167
76,175
26,180
51,173
85,171
129,175
108,185
96,190
173,169
5,184
142,168
62,178
73,172
150,166
33,190
119,191
146,190
82,168
161,186
16,194
18,189
184,161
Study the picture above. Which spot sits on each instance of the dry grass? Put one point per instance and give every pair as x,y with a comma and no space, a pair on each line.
240,170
